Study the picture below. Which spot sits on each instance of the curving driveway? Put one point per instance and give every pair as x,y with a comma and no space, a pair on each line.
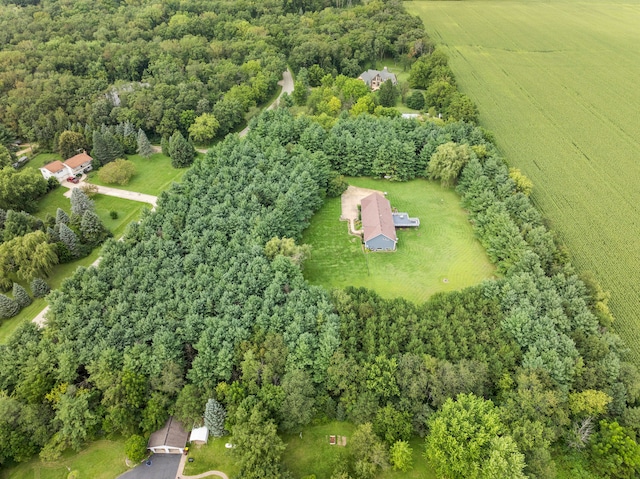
105,190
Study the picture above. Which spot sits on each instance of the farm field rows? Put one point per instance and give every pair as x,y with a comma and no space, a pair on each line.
556,84
441,255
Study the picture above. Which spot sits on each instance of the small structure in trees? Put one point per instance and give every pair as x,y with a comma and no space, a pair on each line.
375,78
199,435
379,223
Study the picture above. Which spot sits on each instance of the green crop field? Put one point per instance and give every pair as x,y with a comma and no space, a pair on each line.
441,255
556,82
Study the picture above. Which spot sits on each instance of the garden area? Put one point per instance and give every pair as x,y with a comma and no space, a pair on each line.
213,456
441,255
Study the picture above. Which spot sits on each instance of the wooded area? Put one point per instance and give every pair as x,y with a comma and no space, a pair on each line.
205,299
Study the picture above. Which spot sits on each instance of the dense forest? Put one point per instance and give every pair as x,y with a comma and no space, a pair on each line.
202,307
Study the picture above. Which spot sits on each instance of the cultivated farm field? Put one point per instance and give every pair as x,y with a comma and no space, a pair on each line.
441,255
556,82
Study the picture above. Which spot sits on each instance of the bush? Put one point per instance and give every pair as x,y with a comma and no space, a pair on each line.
52,183
119,172
21,296
8,307
136,448
415,100
113,214
39,288
89,189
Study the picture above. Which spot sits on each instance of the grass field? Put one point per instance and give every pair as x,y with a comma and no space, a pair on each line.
212,456
153,175
312,454
128,211
441,255
99,460
556,83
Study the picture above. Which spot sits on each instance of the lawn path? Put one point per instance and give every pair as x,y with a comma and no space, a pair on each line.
105,190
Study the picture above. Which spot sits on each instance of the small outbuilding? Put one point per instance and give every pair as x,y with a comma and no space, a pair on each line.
199,435
171,439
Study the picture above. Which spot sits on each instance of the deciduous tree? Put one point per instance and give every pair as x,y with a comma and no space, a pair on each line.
119,171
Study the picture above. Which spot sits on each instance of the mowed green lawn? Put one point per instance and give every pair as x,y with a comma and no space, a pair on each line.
557,84
441,255
102,459
212,456
128,211
153,175
312,454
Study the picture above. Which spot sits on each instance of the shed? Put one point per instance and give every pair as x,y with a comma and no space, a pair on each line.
171,439
199,435
377,223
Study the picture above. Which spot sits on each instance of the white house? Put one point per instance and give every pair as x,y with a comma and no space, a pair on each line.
80,163
73,166
57,169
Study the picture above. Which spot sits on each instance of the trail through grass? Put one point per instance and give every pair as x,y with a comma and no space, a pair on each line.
556,83
441,255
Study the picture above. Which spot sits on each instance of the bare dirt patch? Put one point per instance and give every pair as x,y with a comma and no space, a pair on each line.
351,198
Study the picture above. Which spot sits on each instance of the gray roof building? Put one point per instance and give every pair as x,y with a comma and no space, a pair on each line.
377,223
172,438
375,78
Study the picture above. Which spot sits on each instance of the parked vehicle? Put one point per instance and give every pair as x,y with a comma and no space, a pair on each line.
73,179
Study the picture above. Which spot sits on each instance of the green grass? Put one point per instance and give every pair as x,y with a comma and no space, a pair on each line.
153,175
212,456
102,459
441,255
128,211
42,159
556,83
312,454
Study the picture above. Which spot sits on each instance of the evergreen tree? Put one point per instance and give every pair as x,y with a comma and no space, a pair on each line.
144,147
214,417
54,233
68,237
80,202
99,152
21,296
91,228
164,146
8,307
387,94
61,216
39,288
113,146
181,151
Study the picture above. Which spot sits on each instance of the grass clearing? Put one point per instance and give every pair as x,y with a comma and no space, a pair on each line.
153,175
441,255
128,211
312,454
555,82
102,459
212,456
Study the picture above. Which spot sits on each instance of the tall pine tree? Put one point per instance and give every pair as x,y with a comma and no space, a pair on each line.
91,228
8,307
69,238
21,296
62,217
144,147
181,151
80,202
214,417
99,153
39,288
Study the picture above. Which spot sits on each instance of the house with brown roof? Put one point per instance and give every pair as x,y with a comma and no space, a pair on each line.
171,439
75,165
79,163
377,223
56,169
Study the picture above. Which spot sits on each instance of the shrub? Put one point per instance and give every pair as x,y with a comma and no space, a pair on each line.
136,448
21,296
89,189
8,307
119,172
113,214
39,288
415,100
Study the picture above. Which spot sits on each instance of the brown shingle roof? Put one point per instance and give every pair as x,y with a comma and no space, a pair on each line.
171,435
78,160
375,211
54,166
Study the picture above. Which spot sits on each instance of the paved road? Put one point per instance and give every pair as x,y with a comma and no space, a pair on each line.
287,87
163,466
105,190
